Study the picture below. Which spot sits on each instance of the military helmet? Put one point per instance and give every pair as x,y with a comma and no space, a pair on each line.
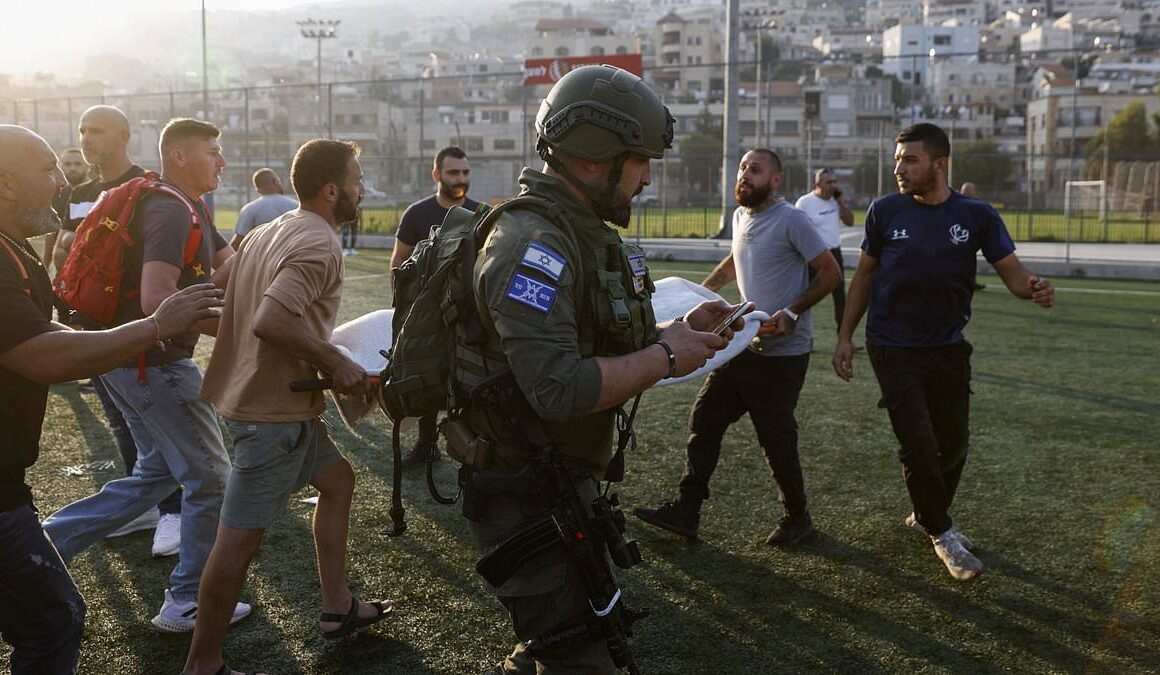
599,112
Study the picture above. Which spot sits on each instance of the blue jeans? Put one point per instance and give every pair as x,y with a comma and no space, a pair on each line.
42,614
178,441
125,443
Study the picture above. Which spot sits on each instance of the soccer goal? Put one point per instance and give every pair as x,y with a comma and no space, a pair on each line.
1085,209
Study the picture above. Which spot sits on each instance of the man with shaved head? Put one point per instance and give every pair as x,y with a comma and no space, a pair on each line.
41,612
104,138
76,171
270,204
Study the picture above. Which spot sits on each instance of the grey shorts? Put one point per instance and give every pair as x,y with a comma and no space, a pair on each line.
271,461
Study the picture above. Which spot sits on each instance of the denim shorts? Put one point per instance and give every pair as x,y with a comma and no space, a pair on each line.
271,461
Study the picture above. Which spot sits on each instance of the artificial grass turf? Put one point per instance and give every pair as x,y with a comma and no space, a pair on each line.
1061,493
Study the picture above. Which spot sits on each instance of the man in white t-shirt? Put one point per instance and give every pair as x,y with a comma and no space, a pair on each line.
826,210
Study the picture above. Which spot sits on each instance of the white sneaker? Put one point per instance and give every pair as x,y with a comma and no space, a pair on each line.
354,251
167,538
960,562
912,522
177,616
346,252
145,521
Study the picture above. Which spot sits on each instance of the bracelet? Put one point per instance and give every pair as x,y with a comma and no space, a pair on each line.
672,358
157,326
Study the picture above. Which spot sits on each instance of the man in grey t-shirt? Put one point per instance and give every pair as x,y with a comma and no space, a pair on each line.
270,204
774,248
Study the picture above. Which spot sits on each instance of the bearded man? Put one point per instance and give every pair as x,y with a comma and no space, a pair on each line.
774,248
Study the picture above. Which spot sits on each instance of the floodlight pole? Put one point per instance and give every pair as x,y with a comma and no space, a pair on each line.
318,30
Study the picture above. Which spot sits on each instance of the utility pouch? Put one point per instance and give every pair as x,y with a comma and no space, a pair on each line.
528,542
464,445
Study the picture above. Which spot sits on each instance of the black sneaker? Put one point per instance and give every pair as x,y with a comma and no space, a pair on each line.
673,516
417,456
791,530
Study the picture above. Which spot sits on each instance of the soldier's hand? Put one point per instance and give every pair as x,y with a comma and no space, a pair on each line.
691,347
710,313
179,312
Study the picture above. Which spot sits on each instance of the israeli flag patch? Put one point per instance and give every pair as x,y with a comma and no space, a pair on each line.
540,257
636,264
535,294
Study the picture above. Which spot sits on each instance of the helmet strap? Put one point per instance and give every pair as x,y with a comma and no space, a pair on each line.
600,200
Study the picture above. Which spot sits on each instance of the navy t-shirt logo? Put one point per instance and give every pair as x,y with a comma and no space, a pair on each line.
895,235
959,234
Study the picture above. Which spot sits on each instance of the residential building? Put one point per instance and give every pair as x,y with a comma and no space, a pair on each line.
908,50
689,50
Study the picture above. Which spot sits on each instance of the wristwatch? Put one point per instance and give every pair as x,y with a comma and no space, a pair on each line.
790,313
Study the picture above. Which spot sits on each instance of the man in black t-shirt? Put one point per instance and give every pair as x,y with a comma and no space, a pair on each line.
452,176
104,137
41,612
76,171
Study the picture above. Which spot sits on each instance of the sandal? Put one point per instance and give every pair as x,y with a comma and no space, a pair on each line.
351,621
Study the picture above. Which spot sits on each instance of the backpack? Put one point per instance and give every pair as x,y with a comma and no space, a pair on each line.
90,281
434,307
435,299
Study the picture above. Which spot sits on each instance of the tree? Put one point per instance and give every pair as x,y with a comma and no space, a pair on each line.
1128,139
701,154
983,164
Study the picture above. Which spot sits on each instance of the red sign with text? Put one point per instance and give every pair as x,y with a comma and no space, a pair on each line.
547,71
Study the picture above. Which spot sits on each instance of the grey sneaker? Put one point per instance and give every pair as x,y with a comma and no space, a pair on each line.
960,562
673,516
179,616
912,522
791,530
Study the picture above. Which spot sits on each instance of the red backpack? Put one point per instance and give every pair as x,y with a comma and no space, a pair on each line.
90,281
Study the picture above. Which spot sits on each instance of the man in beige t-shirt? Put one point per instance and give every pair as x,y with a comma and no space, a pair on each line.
282,300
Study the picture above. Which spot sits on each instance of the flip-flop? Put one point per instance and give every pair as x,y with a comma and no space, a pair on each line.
351,621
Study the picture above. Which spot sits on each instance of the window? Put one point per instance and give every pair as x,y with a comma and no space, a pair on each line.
427,144
837,128
537,51
838,102
561,51
504,144
942,40
621,49
471,143
785,127
597,51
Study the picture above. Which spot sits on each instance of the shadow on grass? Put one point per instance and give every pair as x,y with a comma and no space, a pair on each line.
1099,398
781,609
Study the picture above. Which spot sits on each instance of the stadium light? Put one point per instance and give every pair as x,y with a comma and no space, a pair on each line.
319,30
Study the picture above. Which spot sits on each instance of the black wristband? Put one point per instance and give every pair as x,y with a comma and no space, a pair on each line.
672,358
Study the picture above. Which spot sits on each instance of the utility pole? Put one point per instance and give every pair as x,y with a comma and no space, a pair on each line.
319,30
730,152
204,68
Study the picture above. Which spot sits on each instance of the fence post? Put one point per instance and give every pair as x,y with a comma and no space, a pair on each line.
329,109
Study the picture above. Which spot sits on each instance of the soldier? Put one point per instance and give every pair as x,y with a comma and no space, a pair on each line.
566,311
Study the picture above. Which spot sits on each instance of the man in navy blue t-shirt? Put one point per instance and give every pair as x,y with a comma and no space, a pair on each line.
452,176
917,275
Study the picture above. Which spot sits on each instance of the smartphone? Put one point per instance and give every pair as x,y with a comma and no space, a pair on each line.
738,311
837,194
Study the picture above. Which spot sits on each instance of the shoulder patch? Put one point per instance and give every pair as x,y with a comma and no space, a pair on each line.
535,294
540,257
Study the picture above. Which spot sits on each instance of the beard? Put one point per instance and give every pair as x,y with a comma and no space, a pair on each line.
35,222
618,210
346,208
454,191
754,197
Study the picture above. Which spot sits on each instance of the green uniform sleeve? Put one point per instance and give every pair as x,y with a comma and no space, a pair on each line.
527,277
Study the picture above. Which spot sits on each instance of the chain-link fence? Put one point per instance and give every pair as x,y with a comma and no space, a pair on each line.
847,125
